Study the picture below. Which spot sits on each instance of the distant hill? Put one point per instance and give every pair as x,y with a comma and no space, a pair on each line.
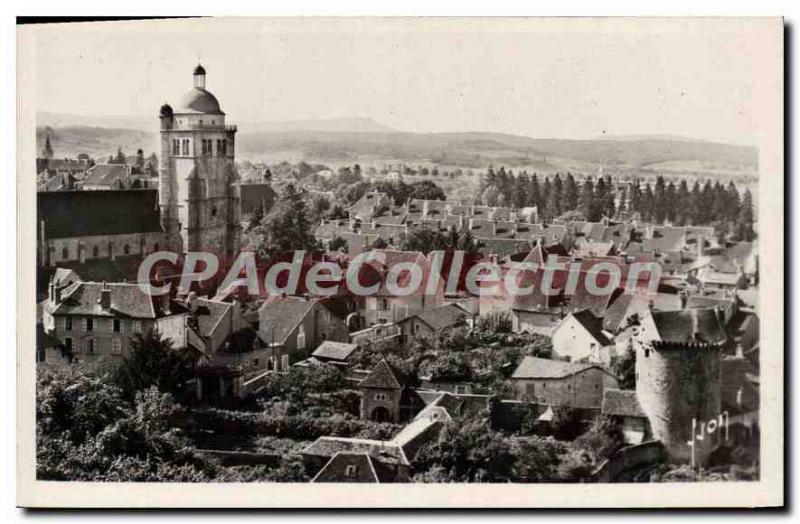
351,125
367,142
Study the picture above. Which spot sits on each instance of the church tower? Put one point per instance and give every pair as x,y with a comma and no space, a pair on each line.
198,190
47,152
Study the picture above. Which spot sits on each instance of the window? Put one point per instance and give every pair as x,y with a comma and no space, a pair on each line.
380,396
68,344
116,347
213,211
88,324
175,146
646,352
90,347
301,338
137,326
200,123
95,251
117,325
126,249
255,362
68,324
65,254
155,246
285,362
350,470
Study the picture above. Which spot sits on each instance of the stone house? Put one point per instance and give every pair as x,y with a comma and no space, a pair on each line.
433,322
579,336
95,320
624,408
293,327
560,383
384,306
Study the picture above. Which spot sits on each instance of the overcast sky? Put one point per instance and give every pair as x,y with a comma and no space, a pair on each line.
533,78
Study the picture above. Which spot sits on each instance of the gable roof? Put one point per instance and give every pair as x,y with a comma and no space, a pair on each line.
209,313
592,324
385,451
441,317
365,469
331,350
384,376
534,367
622,403
279,315
129,300
108,175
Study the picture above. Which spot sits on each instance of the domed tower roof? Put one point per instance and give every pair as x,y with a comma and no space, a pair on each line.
198,99
165,111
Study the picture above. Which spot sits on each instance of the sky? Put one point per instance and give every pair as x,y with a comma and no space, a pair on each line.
543,79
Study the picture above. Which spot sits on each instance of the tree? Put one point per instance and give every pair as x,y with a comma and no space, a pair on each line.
426,190
450,367
566,423
338,244
587,201
624,367
86,430
154,362
119,158
570,195
469,451
744,224
537,459
602,439
286,228
139,159
494,322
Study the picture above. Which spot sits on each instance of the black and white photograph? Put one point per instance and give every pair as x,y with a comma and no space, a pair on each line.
468,255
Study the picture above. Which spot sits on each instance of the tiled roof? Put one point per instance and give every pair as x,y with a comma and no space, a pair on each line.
502,247
108,175
95,213
534,367
330,350
279,315
209,313
384,376
83,298
622,403
442,317
689,325
592,324
415,435
364,469
385,451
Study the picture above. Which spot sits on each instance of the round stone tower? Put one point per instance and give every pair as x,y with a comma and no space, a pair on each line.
678,356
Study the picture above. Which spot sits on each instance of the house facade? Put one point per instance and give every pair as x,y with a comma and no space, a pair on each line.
293,327
560,383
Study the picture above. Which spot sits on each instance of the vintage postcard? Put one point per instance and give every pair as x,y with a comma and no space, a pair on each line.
458,262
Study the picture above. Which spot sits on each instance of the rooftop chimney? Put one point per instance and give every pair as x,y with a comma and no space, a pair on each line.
105,297
191,301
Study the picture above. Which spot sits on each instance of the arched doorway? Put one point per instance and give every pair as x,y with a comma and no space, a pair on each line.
380,414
